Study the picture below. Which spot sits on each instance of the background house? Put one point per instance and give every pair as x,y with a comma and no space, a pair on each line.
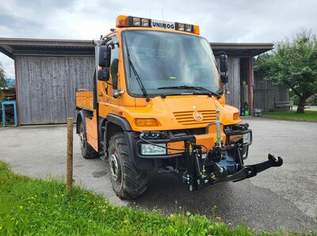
48,71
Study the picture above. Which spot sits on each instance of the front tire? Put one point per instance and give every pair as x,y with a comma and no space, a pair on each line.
127,181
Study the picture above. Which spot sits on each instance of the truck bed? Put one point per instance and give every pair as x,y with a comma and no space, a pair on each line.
84,99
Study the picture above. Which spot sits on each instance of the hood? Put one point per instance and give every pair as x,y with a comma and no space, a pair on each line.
180,112
186,103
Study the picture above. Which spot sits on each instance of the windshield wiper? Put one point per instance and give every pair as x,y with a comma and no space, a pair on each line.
199,88
131,66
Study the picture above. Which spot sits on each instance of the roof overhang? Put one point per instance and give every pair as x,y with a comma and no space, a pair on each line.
29,46
241,49
59,47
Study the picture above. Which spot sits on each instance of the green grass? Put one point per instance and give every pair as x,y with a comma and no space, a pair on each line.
38,207
292,115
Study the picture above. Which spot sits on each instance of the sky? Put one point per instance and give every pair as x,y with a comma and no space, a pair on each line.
219,21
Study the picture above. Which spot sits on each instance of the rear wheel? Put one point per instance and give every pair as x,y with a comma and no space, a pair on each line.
127,181
87,150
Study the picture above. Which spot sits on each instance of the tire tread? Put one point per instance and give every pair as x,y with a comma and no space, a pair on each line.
134,180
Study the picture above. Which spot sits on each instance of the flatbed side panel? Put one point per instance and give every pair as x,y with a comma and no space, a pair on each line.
91,129
84,99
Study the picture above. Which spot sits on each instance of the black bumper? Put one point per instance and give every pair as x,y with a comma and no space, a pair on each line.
147,162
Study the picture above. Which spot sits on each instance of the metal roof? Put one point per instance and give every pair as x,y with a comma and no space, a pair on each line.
32,46
46,42
241,49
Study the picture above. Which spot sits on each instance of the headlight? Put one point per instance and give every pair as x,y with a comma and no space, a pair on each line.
149,149
145,22
247,139
181,26
136,21
188,28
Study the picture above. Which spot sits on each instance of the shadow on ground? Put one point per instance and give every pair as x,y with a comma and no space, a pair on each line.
236,203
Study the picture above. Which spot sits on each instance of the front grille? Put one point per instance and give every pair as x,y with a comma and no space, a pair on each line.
187,117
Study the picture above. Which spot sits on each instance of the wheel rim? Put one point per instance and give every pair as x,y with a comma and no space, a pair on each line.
114,167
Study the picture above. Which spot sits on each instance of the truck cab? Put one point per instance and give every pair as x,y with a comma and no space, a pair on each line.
158,102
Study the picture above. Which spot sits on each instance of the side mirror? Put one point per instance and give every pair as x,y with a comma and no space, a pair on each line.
103,74
223,68
223,63
104,56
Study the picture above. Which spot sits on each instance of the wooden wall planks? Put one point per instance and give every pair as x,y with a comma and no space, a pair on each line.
46,86
233,86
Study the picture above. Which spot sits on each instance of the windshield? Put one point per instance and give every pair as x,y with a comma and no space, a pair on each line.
168,63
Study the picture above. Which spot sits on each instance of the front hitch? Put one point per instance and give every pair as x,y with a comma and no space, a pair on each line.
252,170
220,164
194,179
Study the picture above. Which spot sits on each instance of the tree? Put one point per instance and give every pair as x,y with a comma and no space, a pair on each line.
294,64
2,77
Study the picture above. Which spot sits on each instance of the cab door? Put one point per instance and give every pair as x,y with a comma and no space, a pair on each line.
107,102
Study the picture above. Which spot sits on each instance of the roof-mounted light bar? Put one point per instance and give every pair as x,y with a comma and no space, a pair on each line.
132,21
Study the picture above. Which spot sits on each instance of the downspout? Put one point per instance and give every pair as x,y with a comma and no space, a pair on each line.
250,84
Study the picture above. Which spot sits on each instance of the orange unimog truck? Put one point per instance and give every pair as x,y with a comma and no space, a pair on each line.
158,103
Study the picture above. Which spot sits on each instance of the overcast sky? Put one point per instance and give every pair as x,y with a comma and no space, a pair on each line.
220,21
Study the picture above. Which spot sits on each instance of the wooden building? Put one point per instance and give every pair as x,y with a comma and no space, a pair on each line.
48,71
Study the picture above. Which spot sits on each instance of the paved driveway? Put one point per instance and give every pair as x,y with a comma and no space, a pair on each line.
280,197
